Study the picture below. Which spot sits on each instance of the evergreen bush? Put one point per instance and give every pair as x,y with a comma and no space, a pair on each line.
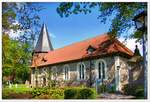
135,90
70,93
86,93
79,93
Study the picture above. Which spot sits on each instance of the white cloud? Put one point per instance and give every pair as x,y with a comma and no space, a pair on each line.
12,33
52,35
130,43
15,34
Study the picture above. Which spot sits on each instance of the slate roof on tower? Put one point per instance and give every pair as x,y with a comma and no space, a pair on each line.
43,43
77,51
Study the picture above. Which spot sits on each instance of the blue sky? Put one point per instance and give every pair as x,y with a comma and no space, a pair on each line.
64,31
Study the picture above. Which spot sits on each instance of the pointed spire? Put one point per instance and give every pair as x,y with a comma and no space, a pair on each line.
43,43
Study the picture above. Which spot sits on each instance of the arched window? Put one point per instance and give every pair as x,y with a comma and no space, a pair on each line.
101,69
66,72
81,71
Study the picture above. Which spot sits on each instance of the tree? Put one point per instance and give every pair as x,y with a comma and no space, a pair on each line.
23,17
15,59
16,52
120,14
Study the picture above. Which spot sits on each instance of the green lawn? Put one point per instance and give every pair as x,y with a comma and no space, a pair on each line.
20,88
21,91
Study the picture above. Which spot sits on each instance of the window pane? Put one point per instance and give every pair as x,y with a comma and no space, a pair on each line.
66,73
82,72
99,70
103,69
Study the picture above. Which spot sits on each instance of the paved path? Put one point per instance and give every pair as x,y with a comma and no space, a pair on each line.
114,96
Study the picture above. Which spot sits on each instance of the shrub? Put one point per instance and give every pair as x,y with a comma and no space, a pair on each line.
86,93
135,90
112,89
56,93
38,91
139,93
79,93
129,89
70,93
44,93
102,88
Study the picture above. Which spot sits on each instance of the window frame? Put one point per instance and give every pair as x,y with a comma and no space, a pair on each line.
100,62
64,75
83,71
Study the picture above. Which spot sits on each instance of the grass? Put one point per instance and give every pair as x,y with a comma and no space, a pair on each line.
19,89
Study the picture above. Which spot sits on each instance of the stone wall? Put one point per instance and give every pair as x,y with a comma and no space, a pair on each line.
137,74
123,73
73,72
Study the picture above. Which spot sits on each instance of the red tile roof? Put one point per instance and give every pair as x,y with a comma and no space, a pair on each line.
77,51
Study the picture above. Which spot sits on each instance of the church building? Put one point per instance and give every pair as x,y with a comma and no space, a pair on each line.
98,60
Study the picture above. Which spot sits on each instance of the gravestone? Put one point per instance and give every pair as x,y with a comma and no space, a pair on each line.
16,85
27,83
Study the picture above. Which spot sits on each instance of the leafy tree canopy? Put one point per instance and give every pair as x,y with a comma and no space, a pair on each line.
23,17
16,52
16,57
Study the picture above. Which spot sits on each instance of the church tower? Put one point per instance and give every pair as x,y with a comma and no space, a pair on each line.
42,47
43,44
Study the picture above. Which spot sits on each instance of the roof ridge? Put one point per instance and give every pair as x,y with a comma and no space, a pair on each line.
104,34
77,50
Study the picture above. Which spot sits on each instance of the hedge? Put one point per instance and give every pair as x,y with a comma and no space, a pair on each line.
135,90
79,93
70,93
